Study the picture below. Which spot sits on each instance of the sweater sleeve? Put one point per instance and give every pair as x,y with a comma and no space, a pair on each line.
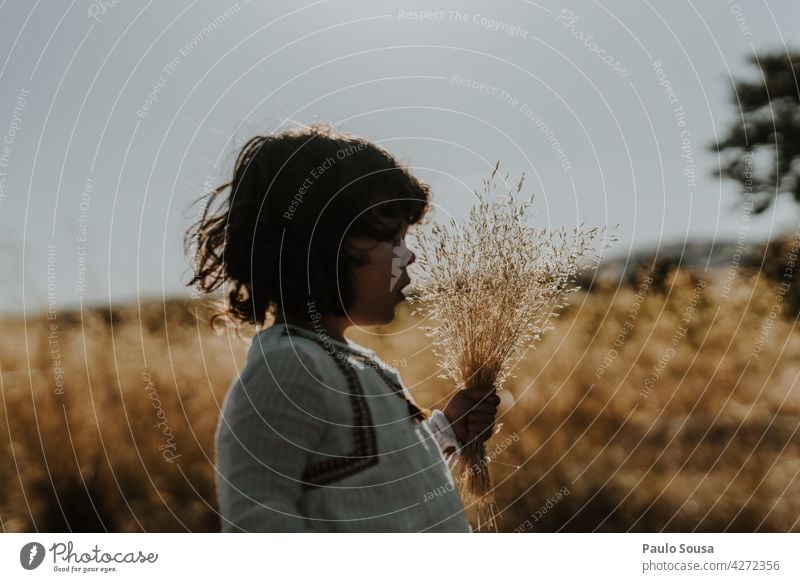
445,436
271,423
438,423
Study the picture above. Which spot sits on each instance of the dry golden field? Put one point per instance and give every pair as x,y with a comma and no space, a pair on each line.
672,406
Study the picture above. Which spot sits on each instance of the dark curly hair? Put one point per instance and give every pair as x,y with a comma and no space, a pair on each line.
280,237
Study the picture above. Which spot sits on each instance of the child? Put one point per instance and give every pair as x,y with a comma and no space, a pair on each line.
317,433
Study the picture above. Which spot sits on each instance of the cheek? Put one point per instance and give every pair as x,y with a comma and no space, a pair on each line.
374,280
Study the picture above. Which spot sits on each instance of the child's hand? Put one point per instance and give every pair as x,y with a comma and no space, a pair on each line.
471,412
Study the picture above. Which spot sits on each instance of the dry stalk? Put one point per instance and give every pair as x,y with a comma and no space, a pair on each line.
492,287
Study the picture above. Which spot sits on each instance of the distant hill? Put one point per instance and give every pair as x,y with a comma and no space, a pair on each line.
773,260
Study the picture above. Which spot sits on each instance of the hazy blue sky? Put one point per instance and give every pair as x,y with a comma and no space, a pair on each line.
108,184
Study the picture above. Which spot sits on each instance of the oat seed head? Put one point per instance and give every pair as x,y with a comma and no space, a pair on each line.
492,285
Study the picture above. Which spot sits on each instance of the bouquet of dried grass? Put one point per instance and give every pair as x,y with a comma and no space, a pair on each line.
492,286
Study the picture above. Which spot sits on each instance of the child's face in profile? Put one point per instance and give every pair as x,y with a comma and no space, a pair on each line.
378,284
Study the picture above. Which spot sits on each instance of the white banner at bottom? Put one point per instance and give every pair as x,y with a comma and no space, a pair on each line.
354,557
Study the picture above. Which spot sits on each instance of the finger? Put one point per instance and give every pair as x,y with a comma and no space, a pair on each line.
484,408
476,427
487,394
480,417
480,389
481,429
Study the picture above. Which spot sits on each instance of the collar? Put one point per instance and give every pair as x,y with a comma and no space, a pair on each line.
321,338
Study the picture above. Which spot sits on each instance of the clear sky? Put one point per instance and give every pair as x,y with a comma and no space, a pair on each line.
115,114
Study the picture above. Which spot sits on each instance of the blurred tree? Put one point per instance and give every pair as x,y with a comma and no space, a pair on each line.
768,123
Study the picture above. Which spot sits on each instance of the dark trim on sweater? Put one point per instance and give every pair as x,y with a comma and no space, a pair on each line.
365,449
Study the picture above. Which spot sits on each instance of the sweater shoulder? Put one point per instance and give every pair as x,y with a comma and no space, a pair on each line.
295,371
288,352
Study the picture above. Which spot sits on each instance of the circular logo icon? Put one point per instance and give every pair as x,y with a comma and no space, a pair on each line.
31,555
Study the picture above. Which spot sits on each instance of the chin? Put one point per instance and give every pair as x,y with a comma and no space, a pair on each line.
377,319
390,314
388,319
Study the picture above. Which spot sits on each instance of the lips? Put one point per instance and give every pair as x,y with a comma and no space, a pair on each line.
403,285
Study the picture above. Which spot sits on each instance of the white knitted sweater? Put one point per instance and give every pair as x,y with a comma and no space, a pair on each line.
317,435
